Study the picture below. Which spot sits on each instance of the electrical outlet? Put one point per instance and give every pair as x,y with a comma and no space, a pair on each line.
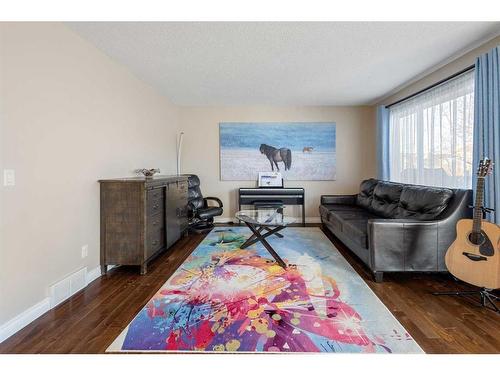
85,251
9,177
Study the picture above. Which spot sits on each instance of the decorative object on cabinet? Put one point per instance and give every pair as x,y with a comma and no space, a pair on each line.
148,172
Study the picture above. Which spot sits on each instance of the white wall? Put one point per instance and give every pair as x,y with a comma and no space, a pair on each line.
69,116
355,148
443,72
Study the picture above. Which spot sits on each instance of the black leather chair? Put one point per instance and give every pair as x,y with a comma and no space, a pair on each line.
200,214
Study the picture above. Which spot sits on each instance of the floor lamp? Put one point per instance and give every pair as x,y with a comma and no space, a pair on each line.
179,150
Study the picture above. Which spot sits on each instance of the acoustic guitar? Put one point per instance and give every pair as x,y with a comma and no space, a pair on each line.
474,256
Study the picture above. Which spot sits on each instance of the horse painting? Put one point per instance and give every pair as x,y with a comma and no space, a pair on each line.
274,155
246,147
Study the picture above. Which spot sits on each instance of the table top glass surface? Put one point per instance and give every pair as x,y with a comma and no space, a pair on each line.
266,217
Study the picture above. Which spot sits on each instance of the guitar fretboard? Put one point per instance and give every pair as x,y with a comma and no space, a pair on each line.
478,212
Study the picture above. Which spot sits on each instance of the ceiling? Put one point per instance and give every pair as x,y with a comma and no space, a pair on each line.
274,63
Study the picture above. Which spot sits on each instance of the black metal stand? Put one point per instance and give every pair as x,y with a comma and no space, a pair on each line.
257,235
485,294
201,227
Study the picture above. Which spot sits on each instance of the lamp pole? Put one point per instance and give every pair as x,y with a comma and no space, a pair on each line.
179,150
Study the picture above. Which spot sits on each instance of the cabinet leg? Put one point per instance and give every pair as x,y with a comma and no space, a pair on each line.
104,269
144,269
379,276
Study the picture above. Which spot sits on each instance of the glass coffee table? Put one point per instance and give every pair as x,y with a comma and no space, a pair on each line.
264,223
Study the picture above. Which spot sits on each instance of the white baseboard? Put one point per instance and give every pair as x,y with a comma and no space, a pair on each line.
309,220
22,320
93,274
65,288
58,293
313,220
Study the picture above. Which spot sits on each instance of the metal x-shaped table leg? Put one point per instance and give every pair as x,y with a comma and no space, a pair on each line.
258,236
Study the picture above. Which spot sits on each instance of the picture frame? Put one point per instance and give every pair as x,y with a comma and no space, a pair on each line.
270,180
300,151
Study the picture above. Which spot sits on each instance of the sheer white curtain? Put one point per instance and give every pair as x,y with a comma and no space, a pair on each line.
430,140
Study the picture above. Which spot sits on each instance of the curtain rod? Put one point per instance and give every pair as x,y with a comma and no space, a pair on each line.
469,68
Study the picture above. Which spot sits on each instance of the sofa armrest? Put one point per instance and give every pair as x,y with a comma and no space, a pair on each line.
404,245
338,199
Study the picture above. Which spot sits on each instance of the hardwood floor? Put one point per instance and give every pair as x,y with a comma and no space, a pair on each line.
93,318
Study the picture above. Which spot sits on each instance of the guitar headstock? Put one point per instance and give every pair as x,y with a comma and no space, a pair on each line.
485,167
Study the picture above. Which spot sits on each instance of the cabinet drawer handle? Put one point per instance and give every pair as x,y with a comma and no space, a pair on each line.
155,242
155,223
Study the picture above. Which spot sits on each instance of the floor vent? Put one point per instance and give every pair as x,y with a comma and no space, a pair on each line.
68,286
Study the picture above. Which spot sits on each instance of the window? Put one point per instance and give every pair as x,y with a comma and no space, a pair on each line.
431,136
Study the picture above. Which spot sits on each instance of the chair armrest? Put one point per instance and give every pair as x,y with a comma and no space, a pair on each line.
338,199
404,245
219,202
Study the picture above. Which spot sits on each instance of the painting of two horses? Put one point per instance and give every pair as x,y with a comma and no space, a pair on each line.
299,150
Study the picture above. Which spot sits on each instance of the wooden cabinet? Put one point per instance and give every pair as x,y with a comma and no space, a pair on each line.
176,211
140,218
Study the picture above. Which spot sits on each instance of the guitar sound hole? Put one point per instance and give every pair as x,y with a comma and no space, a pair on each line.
476,238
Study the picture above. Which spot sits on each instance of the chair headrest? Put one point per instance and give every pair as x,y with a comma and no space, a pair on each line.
193,181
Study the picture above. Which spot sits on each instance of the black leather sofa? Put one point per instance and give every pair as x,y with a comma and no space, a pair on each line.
394,227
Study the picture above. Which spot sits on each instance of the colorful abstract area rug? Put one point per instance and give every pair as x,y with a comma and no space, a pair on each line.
225,299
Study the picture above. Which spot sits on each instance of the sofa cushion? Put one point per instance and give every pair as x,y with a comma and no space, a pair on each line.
357,231
422,202
353,224
364,198
353,215
386,198
334,220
